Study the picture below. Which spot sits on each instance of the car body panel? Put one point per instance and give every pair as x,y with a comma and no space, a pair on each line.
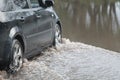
34,25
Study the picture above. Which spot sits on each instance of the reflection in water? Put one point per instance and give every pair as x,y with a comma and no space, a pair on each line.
95,22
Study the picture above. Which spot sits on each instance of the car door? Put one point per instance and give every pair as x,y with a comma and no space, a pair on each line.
30,30
28,21
44,22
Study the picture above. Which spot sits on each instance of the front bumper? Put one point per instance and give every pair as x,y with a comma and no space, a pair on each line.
4,54
4,51
5,45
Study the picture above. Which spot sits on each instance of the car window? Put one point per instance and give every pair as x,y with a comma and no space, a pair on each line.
21,3
42,3
34,3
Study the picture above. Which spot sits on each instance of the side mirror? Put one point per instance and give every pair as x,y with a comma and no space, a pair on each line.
49,3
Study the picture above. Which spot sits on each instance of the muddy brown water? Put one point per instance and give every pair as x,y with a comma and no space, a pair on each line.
94,22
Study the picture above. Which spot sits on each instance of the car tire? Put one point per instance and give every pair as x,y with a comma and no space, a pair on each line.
57,36
16,60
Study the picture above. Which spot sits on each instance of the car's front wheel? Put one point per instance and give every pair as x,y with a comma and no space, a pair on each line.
58,36
16,57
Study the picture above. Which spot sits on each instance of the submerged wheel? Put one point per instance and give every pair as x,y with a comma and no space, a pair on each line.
58,36
16,58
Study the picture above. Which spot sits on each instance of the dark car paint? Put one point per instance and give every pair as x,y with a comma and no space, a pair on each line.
35,26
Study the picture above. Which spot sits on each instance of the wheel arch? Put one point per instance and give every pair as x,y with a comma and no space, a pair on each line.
59,23
20,39
15,33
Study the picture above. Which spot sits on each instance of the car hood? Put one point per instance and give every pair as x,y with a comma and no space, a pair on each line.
2,17
14,15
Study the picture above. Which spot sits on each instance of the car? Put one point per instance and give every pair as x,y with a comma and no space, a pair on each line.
26,28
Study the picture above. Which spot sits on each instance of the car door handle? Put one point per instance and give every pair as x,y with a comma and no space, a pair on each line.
38,16
22,19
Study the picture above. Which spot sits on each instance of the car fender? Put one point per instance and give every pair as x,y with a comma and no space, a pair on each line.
16,31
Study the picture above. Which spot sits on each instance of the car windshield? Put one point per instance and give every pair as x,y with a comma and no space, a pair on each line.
6,5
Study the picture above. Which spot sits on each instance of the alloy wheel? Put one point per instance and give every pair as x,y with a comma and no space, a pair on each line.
58,35
17,58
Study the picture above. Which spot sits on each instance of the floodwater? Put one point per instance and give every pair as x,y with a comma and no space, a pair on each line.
70,61
94,22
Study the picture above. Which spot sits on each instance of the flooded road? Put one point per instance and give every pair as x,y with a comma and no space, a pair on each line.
94,22
70,61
